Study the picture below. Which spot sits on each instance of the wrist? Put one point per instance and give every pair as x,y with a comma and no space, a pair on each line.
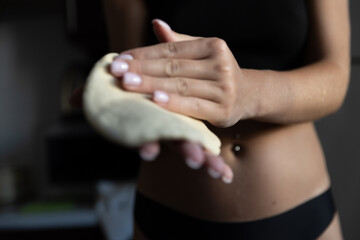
275,96
250,103
264,94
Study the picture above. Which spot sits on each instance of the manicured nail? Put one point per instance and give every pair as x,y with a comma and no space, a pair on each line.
226,180
193,164
213,173
131,79
146,156
162,23
228,174
161,97
125,57
119,67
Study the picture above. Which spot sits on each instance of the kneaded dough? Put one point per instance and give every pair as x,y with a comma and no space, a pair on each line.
132,119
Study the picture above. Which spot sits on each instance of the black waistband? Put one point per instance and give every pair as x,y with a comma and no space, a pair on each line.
306,221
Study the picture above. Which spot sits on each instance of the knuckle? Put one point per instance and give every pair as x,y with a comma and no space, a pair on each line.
224,119
228,88
222,68
170,49
171,67
182,86
197,106
218,44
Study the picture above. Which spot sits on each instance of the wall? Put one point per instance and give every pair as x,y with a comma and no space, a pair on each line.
34,56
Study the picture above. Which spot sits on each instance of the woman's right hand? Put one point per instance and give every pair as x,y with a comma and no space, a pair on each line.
195,156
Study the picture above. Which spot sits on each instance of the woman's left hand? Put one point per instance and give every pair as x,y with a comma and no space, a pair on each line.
189,75
199,78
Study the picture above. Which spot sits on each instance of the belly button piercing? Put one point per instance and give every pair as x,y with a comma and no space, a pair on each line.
236,149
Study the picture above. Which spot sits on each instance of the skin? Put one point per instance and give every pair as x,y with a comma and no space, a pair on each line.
281,163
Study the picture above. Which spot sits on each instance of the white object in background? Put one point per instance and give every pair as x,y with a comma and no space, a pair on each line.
115,209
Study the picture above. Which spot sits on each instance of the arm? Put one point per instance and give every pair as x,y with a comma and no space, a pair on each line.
234,94
319,88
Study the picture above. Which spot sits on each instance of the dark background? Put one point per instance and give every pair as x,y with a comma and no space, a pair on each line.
42,54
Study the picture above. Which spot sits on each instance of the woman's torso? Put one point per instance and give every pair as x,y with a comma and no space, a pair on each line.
278,166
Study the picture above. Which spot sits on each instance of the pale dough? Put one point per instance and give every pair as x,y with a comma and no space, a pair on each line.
132,119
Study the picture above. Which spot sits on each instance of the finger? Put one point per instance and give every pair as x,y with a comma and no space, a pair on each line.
193,153
189,106
188,87
218,168
215,165
193,49
228,174
164,33
199,69
149,151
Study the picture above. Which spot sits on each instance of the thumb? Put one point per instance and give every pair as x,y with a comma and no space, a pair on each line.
164,33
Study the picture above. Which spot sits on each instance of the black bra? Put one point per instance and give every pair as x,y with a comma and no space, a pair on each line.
262,34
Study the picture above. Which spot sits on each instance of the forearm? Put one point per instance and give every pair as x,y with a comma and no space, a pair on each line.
299,95
317,89
200,77
125,23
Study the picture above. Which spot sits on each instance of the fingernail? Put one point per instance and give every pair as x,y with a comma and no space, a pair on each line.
125,57
228,175
161,97
162,23
193,164
213,173
131,79
119,67
226,180
146,156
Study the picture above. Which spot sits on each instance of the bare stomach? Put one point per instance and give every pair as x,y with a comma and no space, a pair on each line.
277,168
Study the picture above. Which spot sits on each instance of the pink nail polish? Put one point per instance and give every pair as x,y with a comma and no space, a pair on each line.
131,79
119,67
125,57
147,156
193,164
227,180
162,23
213,173
161,97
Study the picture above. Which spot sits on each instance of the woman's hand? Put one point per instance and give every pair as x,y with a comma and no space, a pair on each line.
199,77
131,71
195,156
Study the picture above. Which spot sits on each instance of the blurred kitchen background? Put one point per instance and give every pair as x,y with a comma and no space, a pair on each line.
54,167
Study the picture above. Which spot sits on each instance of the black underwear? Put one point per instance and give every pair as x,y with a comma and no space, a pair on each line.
306,221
